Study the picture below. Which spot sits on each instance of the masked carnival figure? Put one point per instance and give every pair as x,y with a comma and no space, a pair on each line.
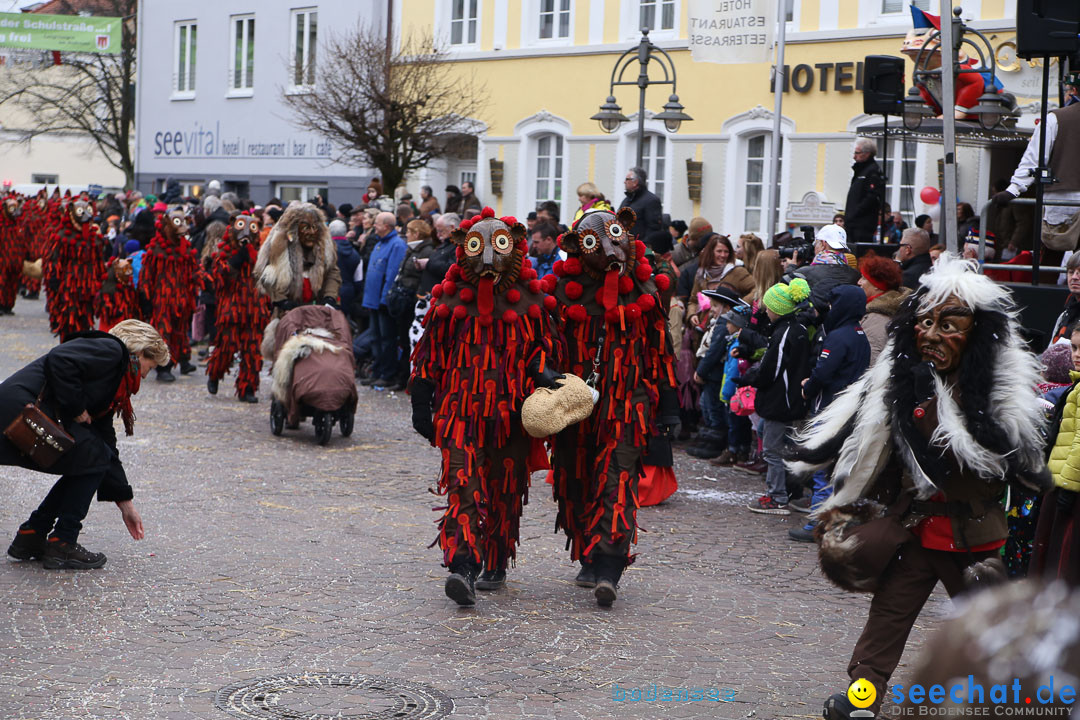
13,247
169,284
925,446
241,310
616,335
117,300
74,269
297,265
487,344
35,219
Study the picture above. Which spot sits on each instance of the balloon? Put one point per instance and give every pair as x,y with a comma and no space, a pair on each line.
930,195
934,211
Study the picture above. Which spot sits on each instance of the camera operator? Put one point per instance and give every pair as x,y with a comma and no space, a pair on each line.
830,266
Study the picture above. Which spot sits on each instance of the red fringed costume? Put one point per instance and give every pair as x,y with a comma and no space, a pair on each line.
170,280
74,267
36,228
488,339
607,298
13,248
241,311
117,300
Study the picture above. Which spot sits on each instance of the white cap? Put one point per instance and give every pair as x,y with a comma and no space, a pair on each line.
213,185
834,236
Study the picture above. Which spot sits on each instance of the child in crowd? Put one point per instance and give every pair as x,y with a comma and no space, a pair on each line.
738,428
713,437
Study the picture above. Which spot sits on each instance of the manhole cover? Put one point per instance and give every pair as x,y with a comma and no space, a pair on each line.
332,696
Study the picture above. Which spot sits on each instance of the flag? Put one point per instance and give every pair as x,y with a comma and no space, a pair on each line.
924,20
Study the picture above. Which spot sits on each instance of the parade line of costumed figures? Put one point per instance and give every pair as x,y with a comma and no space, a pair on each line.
509,366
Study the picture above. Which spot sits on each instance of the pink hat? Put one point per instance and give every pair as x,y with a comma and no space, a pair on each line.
160,207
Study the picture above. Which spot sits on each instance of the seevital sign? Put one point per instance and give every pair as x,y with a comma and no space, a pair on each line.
63,33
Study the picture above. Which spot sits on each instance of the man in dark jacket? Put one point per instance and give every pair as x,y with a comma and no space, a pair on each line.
379,276
914,256
778,380
347,259
864,194
646,206
829,267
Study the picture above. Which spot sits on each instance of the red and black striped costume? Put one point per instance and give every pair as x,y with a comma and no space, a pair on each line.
170,280
242,313
597,463
74,267
35,219
13,248
479,339
117,300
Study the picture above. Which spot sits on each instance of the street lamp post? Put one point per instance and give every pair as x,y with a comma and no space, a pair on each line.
611,116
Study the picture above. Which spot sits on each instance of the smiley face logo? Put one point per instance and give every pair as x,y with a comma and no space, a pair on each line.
862,693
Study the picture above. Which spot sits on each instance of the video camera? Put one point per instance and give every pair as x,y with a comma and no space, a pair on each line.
804,247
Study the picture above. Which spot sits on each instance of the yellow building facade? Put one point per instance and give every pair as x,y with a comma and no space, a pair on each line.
547,64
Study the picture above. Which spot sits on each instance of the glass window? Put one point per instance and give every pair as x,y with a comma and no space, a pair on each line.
549,168
897,6
653,151
305,32
463,14
901,179
468,176
756,199
242,76
554,19
658,14
288,192
184,62
44,179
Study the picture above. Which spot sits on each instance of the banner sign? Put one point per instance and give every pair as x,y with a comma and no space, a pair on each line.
732,31
61,33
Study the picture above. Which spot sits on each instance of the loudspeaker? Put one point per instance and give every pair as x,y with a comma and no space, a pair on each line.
883,85
1047,27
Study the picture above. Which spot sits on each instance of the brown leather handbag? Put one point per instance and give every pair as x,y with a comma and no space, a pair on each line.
38,436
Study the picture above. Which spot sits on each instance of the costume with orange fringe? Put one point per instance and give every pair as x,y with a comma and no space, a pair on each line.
241,311
170,280
117,300
35,219
616,334
74,268
488,343
13,248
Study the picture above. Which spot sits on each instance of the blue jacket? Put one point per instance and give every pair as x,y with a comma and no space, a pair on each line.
382,269
846,353
543,265
711,367
347,259
731,370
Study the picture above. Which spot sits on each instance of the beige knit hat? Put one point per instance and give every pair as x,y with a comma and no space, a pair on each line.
549,411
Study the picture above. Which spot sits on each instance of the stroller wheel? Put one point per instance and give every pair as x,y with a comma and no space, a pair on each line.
345,423
324,427
277,417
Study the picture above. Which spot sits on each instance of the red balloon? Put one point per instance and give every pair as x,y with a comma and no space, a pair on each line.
930,195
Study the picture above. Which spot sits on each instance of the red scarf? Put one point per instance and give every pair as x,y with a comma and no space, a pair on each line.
121,404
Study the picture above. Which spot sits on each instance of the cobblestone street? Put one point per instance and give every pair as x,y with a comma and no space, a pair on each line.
271,556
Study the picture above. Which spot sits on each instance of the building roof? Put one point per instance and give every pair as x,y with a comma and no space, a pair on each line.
61,7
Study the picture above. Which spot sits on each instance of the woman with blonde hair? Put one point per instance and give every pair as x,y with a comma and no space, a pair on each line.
83,383
747,248
590,198
768,270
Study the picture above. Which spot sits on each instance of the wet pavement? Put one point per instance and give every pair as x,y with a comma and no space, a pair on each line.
280,579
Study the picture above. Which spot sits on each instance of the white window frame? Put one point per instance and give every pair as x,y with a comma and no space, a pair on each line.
871,13
895,188
306,190
45,178
530,25
738,130
529,130
444,21
188,188
556,178
187,92
467,176
556,13
248,39
309,53
658,6
626,158
630,21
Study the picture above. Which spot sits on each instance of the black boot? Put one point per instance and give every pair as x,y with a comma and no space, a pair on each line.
491,580
27,545
186,368
586,578
212,386
164,374
60,555
712,445
609,569
249,397
461,585
31,296
837,707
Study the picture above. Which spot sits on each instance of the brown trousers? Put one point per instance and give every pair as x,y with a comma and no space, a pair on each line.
905,588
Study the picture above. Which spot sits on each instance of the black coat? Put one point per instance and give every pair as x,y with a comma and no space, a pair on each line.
81,374
779,377
823,278
648,210
863,201
913,269
440,261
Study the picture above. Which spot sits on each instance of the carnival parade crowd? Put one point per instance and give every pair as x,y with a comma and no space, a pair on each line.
851,390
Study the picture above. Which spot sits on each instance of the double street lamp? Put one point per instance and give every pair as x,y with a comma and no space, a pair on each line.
611,115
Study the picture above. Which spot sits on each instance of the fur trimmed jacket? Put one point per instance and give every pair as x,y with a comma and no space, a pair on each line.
284,263
879,312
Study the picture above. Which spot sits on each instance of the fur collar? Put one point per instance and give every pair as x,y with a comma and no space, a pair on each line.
889,302
279,268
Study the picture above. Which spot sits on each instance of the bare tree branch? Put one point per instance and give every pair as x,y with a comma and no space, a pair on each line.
395,114
88,94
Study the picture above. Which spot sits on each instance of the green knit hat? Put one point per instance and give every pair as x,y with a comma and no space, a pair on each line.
782,299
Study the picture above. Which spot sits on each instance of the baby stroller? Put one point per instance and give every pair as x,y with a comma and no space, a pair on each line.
314,374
